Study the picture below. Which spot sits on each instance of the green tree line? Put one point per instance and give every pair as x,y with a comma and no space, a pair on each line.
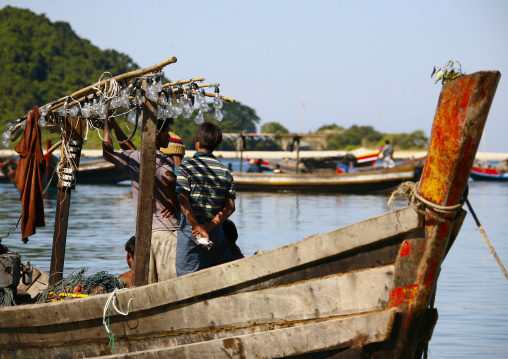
42,61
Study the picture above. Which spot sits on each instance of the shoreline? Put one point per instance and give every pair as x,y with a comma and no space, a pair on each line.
487,156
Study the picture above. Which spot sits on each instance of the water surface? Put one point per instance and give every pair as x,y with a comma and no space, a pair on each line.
472,296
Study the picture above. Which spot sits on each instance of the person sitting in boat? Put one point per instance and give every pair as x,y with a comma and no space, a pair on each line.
207,197
229,228
165,209
387,153
277,168
126,277
176,149
255,166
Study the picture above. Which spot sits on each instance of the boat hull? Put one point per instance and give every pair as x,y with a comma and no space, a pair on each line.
488,174
364,181
362,291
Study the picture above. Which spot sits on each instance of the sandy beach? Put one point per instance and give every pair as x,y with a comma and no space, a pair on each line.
488,156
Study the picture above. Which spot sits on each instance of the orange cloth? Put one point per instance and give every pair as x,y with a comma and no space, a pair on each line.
31,166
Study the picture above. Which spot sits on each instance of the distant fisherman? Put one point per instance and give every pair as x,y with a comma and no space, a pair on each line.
387,152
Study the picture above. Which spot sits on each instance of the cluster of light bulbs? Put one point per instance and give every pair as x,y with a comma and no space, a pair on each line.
167,107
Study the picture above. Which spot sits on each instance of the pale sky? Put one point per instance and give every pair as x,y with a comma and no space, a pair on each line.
351,62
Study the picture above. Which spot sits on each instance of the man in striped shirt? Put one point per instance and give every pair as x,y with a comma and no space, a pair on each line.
207,197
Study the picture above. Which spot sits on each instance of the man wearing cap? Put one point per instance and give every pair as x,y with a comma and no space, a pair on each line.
175,148
165,218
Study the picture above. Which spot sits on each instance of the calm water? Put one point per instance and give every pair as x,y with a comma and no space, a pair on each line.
472,297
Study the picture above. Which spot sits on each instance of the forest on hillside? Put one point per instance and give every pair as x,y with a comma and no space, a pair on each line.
42,61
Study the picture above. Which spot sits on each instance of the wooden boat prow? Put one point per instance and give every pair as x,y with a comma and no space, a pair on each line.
362,291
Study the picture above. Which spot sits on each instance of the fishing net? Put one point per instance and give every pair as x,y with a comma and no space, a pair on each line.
76,285
6,297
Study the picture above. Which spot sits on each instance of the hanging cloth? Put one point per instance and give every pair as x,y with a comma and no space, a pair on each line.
31,166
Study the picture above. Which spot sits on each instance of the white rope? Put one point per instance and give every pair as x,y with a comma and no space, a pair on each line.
114,87
111,299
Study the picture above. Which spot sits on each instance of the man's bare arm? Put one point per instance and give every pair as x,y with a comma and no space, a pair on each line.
169,186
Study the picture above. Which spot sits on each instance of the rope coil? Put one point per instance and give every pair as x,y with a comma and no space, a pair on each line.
410,192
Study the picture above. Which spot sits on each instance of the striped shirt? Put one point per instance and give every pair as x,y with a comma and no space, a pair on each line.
207,182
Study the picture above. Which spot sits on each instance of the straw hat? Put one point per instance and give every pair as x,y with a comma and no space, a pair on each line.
175,147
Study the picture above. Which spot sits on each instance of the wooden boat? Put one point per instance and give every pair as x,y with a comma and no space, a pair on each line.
487,172
99,172
90,172
372,180
362,291
327,165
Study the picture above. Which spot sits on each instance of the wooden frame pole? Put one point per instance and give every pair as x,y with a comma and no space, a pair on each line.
146,188
74,141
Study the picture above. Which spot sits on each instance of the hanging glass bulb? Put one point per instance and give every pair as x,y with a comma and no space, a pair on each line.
73,111
42,121
177,111
199,119
86,111
138,100
182,102
151,92
200,96
62,111
103,112
204,107
5,143
6,135
124,99
168,112
95,107
163,100
11,125
131,117
43,111
160,112
113,103
158,86
126,91
217,102
187,113
218,116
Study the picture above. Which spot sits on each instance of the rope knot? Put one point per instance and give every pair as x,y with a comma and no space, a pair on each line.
410,191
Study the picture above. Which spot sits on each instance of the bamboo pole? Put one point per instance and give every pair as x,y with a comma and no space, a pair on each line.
126,76
181,82
55,146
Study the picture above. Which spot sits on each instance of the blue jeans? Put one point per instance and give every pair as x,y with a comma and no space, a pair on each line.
191,257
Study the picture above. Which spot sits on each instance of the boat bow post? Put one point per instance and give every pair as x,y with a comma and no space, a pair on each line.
460,117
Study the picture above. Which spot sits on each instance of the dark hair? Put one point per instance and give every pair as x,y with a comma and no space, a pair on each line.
130,245
230,231
209,136
163,125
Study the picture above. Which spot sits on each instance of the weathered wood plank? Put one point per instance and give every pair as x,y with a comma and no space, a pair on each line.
343,332
379,255
40,282
322,298
220,278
